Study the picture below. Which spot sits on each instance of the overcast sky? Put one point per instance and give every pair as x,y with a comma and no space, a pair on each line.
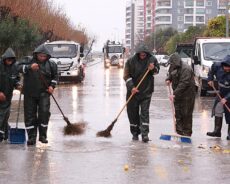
104,19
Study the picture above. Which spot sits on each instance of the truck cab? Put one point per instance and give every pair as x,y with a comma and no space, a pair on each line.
113,54
205,52
68,57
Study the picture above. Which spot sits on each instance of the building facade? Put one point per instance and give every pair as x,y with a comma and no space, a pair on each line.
143,17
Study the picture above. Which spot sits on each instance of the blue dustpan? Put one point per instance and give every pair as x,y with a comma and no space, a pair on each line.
17,135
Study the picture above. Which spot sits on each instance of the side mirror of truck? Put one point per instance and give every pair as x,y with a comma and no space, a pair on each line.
196,61
123,50
81,49
81,55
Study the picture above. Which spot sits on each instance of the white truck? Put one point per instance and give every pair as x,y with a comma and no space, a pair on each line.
68,56
113,54
205,52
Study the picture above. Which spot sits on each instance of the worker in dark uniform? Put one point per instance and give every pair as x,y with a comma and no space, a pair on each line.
9,80
221,72
40,79
138,107
183,84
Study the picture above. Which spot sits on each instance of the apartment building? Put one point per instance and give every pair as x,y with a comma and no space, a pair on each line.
145,16
134,23
181,14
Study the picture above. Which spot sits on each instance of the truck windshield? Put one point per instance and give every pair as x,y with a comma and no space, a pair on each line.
184,51
115,49
216,51
62,50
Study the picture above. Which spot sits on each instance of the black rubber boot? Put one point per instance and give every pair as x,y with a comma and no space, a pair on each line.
1,137
43,135
43,140
145,138
32,136
217,129
135,137
7,128
228,137
31,142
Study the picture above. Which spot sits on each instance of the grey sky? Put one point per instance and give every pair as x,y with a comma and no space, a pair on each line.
103,18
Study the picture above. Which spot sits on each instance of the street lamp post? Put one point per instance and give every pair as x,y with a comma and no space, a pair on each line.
227,18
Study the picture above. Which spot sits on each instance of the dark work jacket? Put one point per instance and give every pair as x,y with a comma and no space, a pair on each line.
136,68
182,77
223,79
9,79
33,84
9,76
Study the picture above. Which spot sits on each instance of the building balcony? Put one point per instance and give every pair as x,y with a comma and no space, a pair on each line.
163,23
163,15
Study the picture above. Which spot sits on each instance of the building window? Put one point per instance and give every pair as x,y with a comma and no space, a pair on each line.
188,19
188,11
209,3
165,19
221,12
188,3
200,19
140,19
222,3
149,18
140,25
200,3
200,11
164,3
149,25
141,13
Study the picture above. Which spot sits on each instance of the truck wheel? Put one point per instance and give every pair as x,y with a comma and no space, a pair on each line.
201,90
81,75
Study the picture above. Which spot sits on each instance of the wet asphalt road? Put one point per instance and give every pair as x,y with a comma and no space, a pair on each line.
87,159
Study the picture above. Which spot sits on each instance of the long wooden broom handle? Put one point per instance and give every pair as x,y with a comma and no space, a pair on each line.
132,93
173,109
47,86
220,98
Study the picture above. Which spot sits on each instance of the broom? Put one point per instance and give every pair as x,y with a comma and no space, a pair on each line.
106,132
175,136
70,128
220,97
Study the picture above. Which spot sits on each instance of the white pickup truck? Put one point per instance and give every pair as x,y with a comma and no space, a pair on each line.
205,52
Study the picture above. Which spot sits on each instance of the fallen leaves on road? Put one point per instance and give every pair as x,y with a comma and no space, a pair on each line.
216,148
226,151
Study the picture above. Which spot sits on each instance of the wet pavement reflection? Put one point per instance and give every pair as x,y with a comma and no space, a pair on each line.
88,159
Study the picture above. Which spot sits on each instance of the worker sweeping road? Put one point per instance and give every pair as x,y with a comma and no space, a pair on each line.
138,106
182,78
9,80
37,94
221,71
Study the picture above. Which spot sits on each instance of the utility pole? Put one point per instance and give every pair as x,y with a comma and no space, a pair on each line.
227,18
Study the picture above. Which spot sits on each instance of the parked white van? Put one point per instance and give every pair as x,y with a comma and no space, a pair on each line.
68,56
206,51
